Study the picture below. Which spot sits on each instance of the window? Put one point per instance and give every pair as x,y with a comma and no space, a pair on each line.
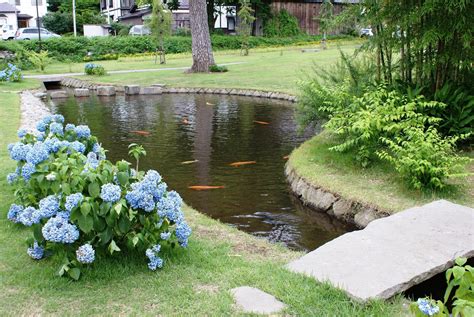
18,2
111,3
31,31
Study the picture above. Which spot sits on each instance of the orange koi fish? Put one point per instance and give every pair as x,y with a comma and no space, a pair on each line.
139,132
204,187
262,122
237,164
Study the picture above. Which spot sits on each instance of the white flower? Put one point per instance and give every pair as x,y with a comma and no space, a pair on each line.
51,176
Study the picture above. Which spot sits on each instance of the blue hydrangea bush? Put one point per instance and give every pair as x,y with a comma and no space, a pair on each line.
77,202
11,73
94,69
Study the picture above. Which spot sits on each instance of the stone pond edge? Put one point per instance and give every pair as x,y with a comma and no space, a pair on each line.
322,200
77,83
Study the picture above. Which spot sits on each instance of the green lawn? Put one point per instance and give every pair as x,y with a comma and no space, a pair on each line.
194,282
377,185
265,69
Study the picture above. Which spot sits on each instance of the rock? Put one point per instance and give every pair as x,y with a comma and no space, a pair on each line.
105,91
81,92
58,94
151,91
320,199
41,95
132,89
343,209
365,216
393,253
158,85
253,300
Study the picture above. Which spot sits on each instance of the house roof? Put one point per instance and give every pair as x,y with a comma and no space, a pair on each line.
7,8
23,16
135,14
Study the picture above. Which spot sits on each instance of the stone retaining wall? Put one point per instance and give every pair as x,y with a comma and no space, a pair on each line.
77,83
322,200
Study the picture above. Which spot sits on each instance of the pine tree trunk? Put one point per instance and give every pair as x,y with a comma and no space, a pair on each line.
201,41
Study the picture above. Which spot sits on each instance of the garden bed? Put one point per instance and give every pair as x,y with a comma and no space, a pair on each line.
370,193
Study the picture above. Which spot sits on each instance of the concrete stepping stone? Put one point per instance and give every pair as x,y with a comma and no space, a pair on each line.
253,300
394,253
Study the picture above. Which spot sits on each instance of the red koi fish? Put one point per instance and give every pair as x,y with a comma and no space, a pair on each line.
139,132
237,164
204,187
262,122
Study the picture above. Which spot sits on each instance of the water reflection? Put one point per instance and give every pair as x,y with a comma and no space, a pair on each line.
212,132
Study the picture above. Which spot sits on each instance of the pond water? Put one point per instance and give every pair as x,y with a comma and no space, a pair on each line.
208,133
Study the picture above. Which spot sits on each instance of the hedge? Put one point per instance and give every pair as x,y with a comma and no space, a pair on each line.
76,48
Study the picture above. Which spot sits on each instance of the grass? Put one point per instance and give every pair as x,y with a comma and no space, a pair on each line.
194,282
377,185
264,69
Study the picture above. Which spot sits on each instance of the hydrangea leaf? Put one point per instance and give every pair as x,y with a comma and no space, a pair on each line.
85,223
94,189
85,208
113,247
75,273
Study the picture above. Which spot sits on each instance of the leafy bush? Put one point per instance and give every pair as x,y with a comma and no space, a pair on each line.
459,278
11,73
423,157
83,206
281,24
94,69
218,69
375,115
105,57
76,48
39,60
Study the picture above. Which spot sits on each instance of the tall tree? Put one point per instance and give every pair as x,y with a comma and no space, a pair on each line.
201,40
160,26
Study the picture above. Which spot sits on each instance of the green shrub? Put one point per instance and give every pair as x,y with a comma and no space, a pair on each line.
377,114
281,24
76,48
39,60
94,69
105,57
424,158
218,69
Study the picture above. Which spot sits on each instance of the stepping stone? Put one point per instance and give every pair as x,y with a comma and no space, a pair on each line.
132,89
394,253
58,94
81,92
253,300
105,91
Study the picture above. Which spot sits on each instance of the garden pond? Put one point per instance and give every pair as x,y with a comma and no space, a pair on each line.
193,139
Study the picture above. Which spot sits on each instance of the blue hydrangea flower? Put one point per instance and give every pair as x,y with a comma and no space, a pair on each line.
72,201
165,235
11,177
85,254
183,231
10,146
58,229
426,307
14,212
29,216
92,161
28,170
70,127
152,176
56,128
170,207
77,146
19,151
40,136
83,131
52,144
155,261
37,154
36,252
41,126
146,193
48,206
58,118
21,133
110,192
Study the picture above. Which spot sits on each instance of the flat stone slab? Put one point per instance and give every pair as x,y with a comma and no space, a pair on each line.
394,253
151,91
81,92
131,89
253,300
105,90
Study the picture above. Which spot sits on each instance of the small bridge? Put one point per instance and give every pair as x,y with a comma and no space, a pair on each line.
394,253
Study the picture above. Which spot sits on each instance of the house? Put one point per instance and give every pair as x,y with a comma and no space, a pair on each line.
16,14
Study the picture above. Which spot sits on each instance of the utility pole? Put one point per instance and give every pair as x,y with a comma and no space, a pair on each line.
38,25
73,16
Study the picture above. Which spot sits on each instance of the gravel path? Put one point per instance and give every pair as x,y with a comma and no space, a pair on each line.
32,110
